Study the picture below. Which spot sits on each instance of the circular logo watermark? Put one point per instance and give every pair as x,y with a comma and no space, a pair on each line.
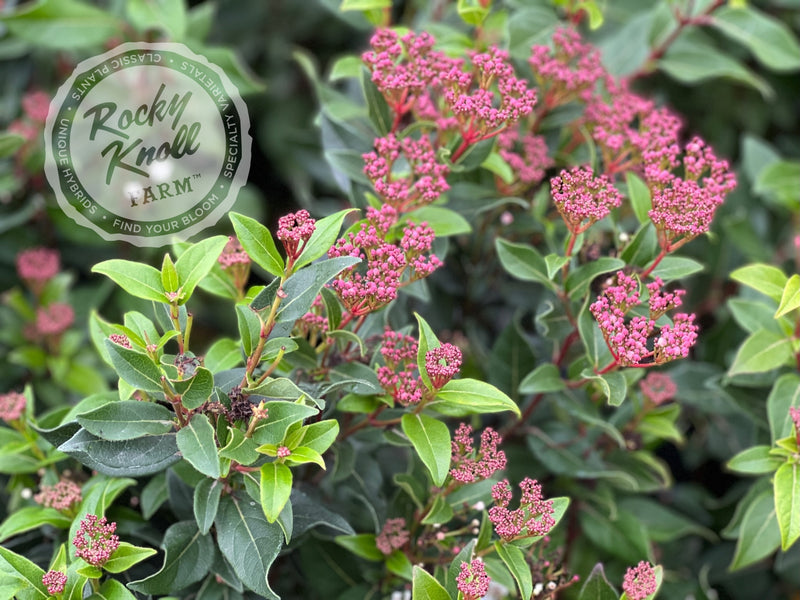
147,142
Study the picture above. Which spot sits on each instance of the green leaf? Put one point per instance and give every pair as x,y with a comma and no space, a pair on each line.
579,280
754,461
692,60
142,456
770,40
166,15
326,232
188,555
196,262
676,267
302,288
753,315
444,221
760,534
316,436
125,556
613,384
427,341
32,517
441,512
778,182
787,503
25,570
206,502
425,587
223,354
762,351
249,327
89,572
498,165
464,555
196,390
139,280
302,455
127,420
543,379
240,448
135,368
198,446
10,143
62,24
639,195
249,542
364,4
514,559
763,278
596,586
785,393
790,299
379,113
169,276
258,243
431,439
276,487
111,590
362,544
281,416
346,67
472,396
399,564
523,262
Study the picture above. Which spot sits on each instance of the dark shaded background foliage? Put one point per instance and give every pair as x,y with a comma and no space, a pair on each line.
473,301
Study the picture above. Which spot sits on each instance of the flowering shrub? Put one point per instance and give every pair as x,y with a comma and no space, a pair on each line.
524,294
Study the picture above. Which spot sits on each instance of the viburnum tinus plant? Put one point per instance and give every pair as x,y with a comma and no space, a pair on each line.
332,445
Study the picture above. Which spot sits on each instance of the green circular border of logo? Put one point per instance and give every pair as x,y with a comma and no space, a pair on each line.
70,192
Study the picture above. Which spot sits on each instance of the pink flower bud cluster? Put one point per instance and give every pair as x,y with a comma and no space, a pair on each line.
36,266
683,208
283,452
36,105
54,581
121,340
386,266
583,199
12,406
63,496
534,517
233,254
470,466
472,580
442,364
528,157
629,340
313,319
294,230
399,377
794,414
639,581
393,536
570,70
95,540
658,388
55,319
406,173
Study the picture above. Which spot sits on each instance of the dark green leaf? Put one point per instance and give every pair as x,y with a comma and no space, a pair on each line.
135,368
545,378
770,40
639,195
302,288
142,456
785,393
579,280
196,390
523,262
127,420
197,444
760,534
596,586
206,502
754,461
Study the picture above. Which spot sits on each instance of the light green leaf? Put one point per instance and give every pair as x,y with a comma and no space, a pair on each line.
785,393
444,221
281,416
770,40
326,232
762,351
223,354
302,455
778,182
196,390
431,440
787,503
523,262
427,341
471,396
198,446
514,559
25,570
543,379
790,299
196,262
258,243
276,487
676,267
167,15
125,556
362,544
32,517
754,461
639,195
597,587
425,587
763,278
139,280
169,275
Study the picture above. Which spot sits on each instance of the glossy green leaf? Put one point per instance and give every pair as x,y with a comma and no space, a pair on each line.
125,556
597,587
165,15
762,351
639,195
135,368
303,287
613,384
169,275
249,542
223,354
427,341
760,534
790,299
676,267
258,243
240,448
198,446
763,278
276,487
281,416
425,587
139,280
769,39
431,440
316,436
579,280
523,262
196,390
361,544
26,571
472,396
778,182
127,420
32,517
444,221
441,512
543,379
111,589
787,503
302,455
127,458
378,110
785,394
206,502
754,461
188,555
326,232
196,262
514,559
